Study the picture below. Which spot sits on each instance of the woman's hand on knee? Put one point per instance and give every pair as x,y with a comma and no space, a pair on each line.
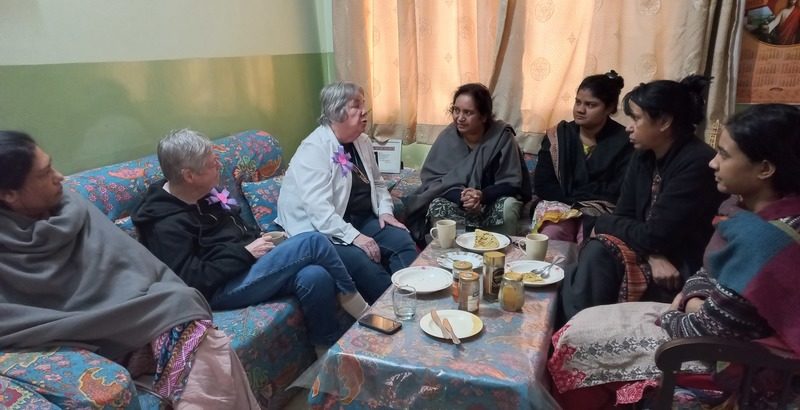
369,246
385,219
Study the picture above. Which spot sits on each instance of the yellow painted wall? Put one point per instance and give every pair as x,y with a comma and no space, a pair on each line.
100,81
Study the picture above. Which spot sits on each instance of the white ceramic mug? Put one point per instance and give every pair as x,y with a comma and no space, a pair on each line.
444,232
536,246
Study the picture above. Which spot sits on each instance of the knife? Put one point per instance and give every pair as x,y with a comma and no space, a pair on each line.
438,321
456,340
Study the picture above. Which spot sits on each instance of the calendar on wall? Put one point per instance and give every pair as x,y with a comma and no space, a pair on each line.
769,66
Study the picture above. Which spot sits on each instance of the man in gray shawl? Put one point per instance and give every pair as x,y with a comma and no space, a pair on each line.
474,172
69,277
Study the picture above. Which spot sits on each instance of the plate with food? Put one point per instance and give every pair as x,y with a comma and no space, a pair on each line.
446,260
533,272
482,241
424,279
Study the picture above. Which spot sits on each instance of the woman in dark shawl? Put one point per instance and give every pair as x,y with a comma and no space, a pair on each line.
474,174
70,277
582,163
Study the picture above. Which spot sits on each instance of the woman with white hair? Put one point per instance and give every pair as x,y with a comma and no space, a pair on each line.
333,186
199,234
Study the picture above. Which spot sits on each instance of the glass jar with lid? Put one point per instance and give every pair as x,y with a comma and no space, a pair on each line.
512,292
458,268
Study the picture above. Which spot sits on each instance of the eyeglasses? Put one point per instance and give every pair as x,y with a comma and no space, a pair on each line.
457,112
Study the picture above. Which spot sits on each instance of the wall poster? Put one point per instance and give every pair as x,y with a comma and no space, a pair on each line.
769,66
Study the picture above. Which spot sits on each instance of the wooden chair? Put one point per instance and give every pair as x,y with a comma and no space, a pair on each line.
752,356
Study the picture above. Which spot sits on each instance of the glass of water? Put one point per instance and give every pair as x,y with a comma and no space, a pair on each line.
404,301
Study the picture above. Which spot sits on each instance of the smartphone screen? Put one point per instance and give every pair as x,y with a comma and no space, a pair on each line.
380,323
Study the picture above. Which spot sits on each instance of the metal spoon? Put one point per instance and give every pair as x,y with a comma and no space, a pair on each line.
544,273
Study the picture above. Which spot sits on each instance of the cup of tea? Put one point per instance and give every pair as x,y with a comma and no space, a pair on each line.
444,233
536,246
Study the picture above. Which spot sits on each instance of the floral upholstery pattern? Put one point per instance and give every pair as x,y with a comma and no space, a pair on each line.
272,344
63,378
270,339
262,197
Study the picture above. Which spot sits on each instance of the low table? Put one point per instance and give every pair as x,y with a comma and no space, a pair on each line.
500,368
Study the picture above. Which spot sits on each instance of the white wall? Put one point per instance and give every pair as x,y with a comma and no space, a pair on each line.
72,31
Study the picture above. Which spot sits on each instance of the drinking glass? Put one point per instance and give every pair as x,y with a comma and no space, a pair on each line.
404,301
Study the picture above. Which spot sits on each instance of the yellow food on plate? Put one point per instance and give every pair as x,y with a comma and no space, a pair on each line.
532,277
485,240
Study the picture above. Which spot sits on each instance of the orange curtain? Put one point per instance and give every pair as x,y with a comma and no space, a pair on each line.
411,55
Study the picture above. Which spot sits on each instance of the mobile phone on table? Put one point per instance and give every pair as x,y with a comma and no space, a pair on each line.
380,323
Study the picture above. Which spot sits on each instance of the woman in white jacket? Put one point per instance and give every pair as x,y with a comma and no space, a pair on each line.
333,186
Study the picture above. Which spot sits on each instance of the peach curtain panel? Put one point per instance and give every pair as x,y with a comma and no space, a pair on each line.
411,55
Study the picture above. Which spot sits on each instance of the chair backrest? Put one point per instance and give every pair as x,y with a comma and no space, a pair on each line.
754,357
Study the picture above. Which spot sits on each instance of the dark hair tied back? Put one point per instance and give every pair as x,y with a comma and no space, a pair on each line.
17,150
605,87
697,86
682,101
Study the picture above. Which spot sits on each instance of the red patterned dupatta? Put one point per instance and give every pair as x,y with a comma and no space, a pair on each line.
637,270
756,255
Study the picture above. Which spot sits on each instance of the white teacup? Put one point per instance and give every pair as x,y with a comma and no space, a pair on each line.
536,246
444,232
276,237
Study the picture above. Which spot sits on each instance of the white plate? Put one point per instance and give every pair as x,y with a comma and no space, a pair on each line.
467,241
556,272
425,279
446,260
464,324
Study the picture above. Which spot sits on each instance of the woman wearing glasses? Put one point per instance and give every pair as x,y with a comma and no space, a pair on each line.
333,186
474,172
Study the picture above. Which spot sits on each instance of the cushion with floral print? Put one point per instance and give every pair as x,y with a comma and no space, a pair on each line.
262,196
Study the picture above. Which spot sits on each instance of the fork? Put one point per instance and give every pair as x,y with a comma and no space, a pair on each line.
544,273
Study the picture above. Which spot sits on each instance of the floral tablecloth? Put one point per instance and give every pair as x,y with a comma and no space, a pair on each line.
500,368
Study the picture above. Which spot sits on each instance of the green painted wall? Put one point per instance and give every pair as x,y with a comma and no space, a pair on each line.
92,114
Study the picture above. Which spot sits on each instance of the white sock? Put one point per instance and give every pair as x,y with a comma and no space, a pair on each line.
354,304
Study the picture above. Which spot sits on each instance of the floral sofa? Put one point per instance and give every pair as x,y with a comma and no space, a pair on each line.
270,339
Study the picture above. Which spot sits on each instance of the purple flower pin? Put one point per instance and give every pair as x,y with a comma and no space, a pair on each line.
223,198
342,159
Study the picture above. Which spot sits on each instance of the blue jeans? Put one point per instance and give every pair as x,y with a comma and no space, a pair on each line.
397,252
305,266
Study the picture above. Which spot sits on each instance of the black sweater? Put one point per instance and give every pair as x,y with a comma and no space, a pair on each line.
680,225
597,178
203,243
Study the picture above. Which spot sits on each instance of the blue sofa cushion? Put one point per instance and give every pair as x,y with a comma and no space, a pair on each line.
262,198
